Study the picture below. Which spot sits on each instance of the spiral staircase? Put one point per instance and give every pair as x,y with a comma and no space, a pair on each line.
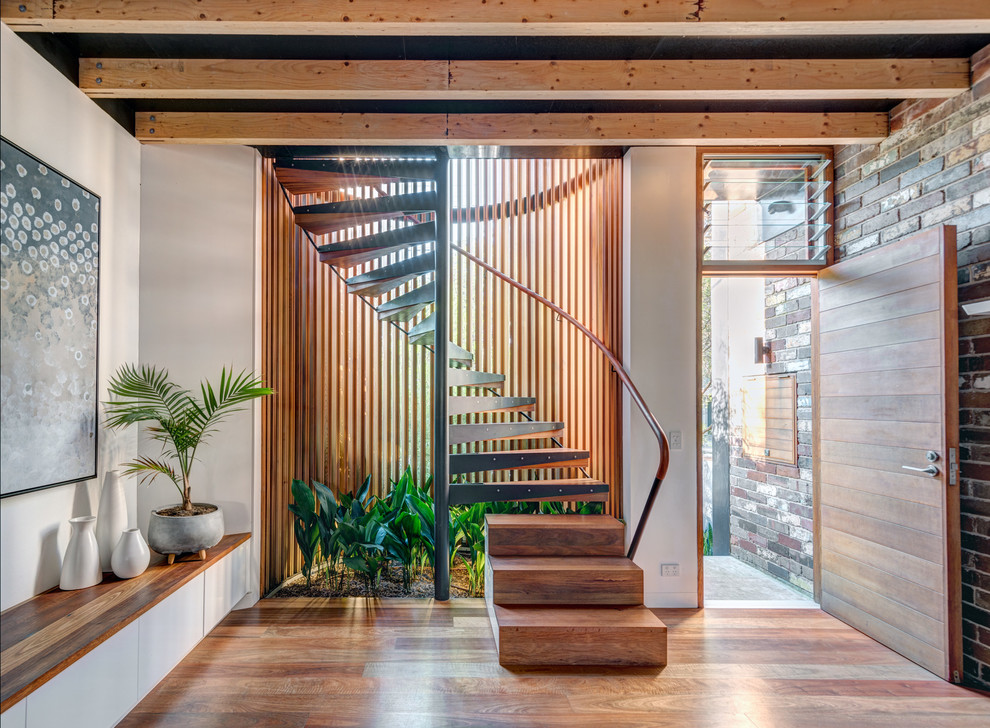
565,598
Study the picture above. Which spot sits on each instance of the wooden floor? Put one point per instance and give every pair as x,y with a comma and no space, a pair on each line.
411,663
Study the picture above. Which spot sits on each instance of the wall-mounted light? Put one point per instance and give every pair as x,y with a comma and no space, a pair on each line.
762,351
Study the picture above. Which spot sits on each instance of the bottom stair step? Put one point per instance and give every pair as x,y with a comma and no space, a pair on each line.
627,636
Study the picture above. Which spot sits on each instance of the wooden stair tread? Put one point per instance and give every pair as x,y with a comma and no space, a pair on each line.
569,535
623,636
564,580
567,521
616,564
597,618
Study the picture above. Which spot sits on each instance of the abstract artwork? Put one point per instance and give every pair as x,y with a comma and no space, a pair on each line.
49,295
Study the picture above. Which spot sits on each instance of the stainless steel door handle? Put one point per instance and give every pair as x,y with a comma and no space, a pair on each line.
931,470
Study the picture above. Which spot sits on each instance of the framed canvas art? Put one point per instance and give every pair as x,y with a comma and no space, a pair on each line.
49,325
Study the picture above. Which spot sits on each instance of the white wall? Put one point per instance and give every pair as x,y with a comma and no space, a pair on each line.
41,111
199,310
659,349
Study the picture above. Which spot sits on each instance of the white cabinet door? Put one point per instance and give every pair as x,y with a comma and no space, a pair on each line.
94,692
168,632
226,584
15,716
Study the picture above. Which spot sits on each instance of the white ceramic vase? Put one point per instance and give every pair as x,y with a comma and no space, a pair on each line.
81,564
131,555
111,518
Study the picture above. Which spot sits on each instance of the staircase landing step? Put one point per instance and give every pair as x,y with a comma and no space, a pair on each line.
546,535
621,636
586,580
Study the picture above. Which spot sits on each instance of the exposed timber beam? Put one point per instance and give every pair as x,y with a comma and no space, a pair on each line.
520,129
508,17
873,78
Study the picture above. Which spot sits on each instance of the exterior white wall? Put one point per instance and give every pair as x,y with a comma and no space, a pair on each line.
660,334
737,319
41,111
199,310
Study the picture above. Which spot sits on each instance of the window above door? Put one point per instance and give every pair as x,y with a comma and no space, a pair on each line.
765,212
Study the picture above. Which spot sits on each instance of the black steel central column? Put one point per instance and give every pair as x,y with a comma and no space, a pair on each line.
441,450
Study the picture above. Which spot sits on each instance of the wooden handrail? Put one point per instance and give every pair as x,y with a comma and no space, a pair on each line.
634,394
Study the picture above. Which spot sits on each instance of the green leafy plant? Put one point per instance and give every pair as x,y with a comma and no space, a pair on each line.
708,539
181,421
360,536
471,524
306,525
404,511
326,522
361,533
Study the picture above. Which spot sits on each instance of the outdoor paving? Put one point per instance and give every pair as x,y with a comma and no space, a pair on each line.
728,578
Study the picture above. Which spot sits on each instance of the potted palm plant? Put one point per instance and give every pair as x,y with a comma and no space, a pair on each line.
181,422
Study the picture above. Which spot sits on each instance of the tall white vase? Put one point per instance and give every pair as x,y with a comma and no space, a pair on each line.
131,555
81,564
111,517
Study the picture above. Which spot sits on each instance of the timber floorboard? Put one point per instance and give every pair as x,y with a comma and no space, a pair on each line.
315,663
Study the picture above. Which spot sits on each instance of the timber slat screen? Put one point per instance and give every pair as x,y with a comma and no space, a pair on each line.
353,395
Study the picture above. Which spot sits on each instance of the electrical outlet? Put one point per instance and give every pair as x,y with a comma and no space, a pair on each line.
675,440
670,569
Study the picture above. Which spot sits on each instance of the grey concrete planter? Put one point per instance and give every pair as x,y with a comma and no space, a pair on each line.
173,535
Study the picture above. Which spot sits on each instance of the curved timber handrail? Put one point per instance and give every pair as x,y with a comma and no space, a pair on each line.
634,394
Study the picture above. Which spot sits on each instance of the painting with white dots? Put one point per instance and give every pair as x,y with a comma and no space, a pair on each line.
49,290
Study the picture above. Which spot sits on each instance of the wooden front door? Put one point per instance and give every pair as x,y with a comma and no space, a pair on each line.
888,448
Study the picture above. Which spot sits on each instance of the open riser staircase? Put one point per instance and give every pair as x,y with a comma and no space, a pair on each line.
398,279
405,257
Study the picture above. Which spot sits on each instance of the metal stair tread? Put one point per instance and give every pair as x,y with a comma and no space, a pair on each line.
312,175
407,202
460,404
459,434
546,481
464,377
405,306
377,245
458,353
418,264
529,451
565,489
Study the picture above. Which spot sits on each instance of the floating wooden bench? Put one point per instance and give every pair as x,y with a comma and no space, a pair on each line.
43,636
